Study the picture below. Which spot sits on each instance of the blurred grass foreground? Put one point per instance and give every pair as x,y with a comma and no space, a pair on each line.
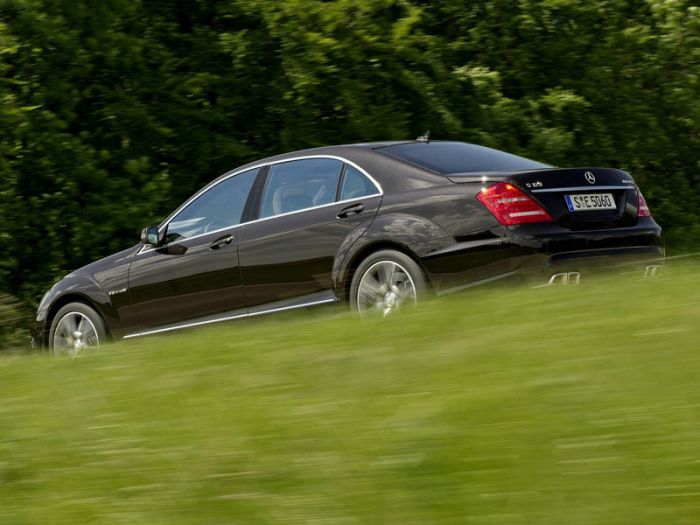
538,406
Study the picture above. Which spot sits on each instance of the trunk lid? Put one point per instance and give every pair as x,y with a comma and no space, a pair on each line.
561,191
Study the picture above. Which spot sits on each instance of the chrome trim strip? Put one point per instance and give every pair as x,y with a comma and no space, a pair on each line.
227,176
292,307
228,228
527,213
466,245
262,165
581,188
231,318
475,283
696,254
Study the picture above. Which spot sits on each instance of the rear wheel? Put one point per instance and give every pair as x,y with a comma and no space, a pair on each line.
74,327
385,282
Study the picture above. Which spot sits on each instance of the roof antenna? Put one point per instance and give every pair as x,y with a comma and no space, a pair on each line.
425,137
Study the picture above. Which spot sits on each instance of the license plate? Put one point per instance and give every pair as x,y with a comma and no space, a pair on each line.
590,201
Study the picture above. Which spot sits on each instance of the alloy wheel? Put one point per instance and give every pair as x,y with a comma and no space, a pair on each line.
385,287
74,332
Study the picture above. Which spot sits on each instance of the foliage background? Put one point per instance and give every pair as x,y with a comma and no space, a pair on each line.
113,111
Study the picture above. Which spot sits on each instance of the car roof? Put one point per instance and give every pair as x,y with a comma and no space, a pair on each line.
331,150
392,173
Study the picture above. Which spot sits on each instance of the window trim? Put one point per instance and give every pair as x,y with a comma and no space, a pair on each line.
341,184
256,175
341,181
263,168
264,186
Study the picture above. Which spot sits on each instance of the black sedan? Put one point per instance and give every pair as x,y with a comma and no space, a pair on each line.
375,225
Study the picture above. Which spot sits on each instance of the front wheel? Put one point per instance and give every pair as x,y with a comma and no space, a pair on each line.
385,282
74,327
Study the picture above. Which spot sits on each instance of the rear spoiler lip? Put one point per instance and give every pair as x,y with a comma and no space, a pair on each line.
495,176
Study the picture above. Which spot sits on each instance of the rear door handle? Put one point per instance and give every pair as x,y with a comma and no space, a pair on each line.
221,242
353,209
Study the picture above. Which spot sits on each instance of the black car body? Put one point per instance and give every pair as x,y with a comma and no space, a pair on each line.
290,231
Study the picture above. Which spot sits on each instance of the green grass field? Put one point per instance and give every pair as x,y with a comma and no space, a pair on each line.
529,406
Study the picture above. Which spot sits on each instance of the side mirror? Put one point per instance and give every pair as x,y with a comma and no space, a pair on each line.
150,236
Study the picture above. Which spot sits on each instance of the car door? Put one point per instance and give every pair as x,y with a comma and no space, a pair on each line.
195,274
308,209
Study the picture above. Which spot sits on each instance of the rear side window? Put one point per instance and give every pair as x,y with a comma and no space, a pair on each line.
356,184
300,184
459,157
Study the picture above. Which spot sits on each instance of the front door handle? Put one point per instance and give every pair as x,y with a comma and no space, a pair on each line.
354,209
221,242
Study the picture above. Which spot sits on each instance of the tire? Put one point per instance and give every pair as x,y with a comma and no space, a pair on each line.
72,319
386,281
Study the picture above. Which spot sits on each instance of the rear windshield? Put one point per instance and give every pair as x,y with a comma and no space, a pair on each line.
459,157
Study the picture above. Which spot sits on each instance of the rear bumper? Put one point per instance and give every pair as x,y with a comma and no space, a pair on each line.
537,252
636,260
622,249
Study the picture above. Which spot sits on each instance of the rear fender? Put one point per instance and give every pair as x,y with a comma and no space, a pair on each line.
416,236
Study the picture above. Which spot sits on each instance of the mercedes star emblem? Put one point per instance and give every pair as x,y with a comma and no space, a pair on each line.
589,177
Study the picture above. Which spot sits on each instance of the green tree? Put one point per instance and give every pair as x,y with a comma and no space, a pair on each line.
112,112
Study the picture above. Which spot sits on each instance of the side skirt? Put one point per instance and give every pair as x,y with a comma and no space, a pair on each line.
278,306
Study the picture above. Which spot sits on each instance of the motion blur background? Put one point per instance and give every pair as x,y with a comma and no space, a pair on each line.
114,111
569,405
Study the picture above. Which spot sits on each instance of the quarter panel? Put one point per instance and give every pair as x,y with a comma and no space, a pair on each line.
447,230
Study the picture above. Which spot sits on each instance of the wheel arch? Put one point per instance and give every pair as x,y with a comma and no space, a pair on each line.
367,250
62,301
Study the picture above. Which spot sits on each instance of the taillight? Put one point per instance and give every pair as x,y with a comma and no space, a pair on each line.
642,208
511,206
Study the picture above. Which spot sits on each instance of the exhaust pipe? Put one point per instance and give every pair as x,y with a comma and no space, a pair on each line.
565,279
653,270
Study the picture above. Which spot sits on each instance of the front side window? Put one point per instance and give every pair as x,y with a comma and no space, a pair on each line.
219,207
356,185
300,184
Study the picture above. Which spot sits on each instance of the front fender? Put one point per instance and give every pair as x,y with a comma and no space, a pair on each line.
73,287
102,284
